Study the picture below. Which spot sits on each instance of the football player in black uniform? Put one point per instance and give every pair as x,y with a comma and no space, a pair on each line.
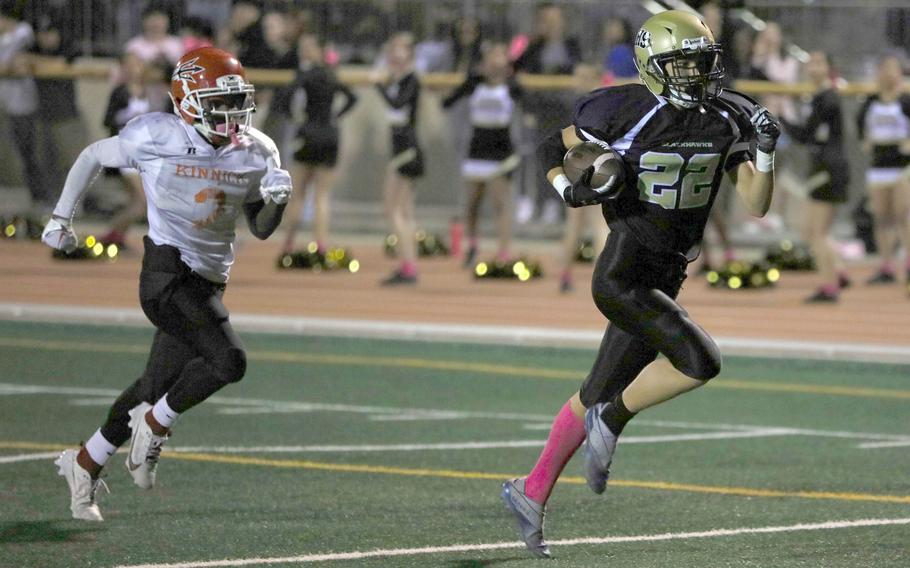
677,135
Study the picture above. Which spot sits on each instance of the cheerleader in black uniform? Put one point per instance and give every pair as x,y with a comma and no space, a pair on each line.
884,128
823,132
317,140
491,159
400,89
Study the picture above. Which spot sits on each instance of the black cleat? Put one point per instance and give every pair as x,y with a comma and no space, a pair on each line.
400,279
844,282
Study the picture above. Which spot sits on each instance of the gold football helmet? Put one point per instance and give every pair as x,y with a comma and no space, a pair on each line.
677,58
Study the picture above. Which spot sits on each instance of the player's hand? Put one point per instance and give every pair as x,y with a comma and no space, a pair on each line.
767,129
580,193
58,234
276,186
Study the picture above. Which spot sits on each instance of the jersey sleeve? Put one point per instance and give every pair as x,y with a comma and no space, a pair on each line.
738,109
607,115
268,151
110,153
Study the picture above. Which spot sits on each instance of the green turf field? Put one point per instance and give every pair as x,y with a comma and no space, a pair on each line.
349,446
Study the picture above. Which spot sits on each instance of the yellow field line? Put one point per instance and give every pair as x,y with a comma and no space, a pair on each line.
475,475
454,366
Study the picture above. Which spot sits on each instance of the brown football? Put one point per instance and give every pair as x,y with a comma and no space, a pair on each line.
579,158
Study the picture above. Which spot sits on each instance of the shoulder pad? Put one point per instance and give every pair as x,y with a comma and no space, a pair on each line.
739,103
149,133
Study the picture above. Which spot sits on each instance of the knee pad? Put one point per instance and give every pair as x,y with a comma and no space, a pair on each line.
231,365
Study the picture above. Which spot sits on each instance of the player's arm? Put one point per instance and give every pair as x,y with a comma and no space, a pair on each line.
263,215
550,154
110,153
755,181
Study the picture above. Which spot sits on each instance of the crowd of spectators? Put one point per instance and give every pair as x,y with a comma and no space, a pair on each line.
263,34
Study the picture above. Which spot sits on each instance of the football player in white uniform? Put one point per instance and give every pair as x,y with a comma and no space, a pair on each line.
200,167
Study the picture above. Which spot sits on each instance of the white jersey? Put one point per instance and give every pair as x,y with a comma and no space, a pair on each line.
195,192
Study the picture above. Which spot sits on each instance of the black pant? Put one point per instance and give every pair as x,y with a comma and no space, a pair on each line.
24,133
195,351
636,288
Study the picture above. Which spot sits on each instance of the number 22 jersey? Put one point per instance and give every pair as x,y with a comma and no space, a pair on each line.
674,159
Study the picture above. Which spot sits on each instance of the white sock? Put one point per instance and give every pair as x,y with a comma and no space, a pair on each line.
99,448
164,414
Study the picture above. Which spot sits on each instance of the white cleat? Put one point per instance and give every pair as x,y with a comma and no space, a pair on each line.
83,489
145,448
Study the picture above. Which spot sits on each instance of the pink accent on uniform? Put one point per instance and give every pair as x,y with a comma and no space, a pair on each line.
566,435
729,255
408,268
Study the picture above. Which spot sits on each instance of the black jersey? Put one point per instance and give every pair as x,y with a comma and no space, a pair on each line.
318,86
674,159
402,97
885,124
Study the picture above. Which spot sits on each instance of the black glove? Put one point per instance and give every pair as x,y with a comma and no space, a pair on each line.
767,129
580,193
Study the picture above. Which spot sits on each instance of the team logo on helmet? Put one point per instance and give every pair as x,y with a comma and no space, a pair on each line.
187,70
643,39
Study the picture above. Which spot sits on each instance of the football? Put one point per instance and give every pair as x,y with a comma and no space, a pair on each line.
606,163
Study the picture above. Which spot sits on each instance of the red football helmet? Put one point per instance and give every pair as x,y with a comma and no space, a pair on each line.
209,90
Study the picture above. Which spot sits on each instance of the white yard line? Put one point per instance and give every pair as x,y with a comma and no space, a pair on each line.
418,331
29,457
893,444
458,548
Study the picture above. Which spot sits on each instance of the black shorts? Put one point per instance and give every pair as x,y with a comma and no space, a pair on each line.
834,190
407,157
635,289
317,145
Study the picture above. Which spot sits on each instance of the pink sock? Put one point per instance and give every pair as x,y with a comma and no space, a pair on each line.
887,268
320,247
408,268
566,435
472,242
503,255
729,255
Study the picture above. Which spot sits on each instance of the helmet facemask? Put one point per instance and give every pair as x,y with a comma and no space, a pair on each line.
690,76
221,112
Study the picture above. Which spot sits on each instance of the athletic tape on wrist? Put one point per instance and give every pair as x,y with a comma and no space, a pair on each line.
561,182
764,162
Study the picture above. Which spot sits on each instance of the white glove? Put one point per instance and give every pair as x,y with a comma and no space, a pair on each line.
59,234
276,186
